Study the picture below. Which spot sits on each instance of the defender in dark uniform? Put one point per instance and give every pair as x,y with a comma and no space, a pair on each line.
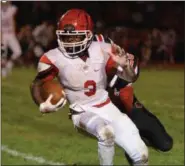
122,95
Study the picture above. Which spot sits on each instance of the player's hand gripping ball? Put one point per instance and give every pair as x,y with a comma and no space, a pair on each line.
53,95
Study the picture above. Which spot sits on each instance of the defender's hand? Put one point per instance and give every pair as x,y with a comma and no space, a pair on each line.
121,61
118,55
115,49
47,107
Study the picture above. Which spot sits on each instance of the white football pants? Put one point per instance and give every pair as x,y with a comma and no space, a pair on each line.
109,125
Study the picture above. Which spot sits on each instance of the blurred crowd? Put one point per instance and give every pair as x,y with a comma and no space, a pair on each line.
154,31
151,45
35,41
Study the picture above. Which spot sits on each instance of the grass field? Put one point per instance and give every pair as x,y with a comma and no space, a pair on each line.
53,137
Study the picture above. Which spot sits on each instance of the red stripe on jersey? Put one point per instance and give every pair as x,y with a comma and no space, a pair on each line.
100,38
102,104
44,59
54,70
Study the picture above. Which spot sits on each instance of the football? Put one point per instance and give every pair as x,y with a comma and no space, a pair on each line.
52,87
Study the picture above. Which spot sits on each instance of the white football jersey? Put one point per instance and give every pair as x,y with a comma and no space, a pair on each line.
7,19
84,82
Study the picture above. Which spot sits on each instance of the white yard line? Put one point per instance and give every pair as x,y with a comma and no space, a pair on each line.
26,156
158,104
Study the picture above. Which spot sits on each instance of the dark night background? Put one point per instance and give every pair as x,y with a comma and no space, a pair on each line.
130,24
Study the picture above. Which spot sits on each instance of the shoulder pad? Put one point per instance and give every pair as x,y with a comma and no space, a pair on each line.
42,67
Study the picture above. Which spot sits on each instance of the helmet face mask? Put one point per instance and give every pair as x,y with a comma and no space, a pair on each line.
74,42
74,33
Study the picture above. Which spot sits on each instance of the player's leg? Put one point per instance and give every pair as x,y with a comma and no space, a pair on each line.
3,60
16,51
126,133
150,127
4,54
14,45
3,68
102,130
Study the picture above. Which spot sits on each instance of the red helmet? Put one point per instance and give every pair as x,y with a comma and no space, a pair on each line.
77,25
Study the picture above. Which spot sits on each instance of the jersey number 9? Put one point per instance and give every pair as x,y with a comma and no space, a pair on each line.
90,87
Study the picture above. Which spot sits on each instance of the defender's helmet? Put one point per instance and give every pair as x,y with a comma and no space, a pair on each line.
74,32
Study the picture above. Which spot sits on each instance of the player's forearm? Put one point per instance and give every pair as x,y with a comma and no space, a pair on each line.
35,91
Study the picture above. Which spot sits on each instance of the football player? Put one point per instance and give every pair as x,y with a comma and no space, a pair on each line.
81,66
122,95
9,39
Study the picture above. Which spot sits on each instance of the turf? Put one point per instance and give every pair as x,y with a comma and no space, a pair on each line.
53,136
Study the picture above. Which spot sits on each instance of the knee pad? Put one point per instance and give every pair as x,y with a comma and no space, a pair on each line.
106,135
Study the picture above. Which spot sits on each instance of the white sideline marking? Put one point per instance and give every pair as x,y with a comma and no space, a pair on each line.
157,103
39,160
